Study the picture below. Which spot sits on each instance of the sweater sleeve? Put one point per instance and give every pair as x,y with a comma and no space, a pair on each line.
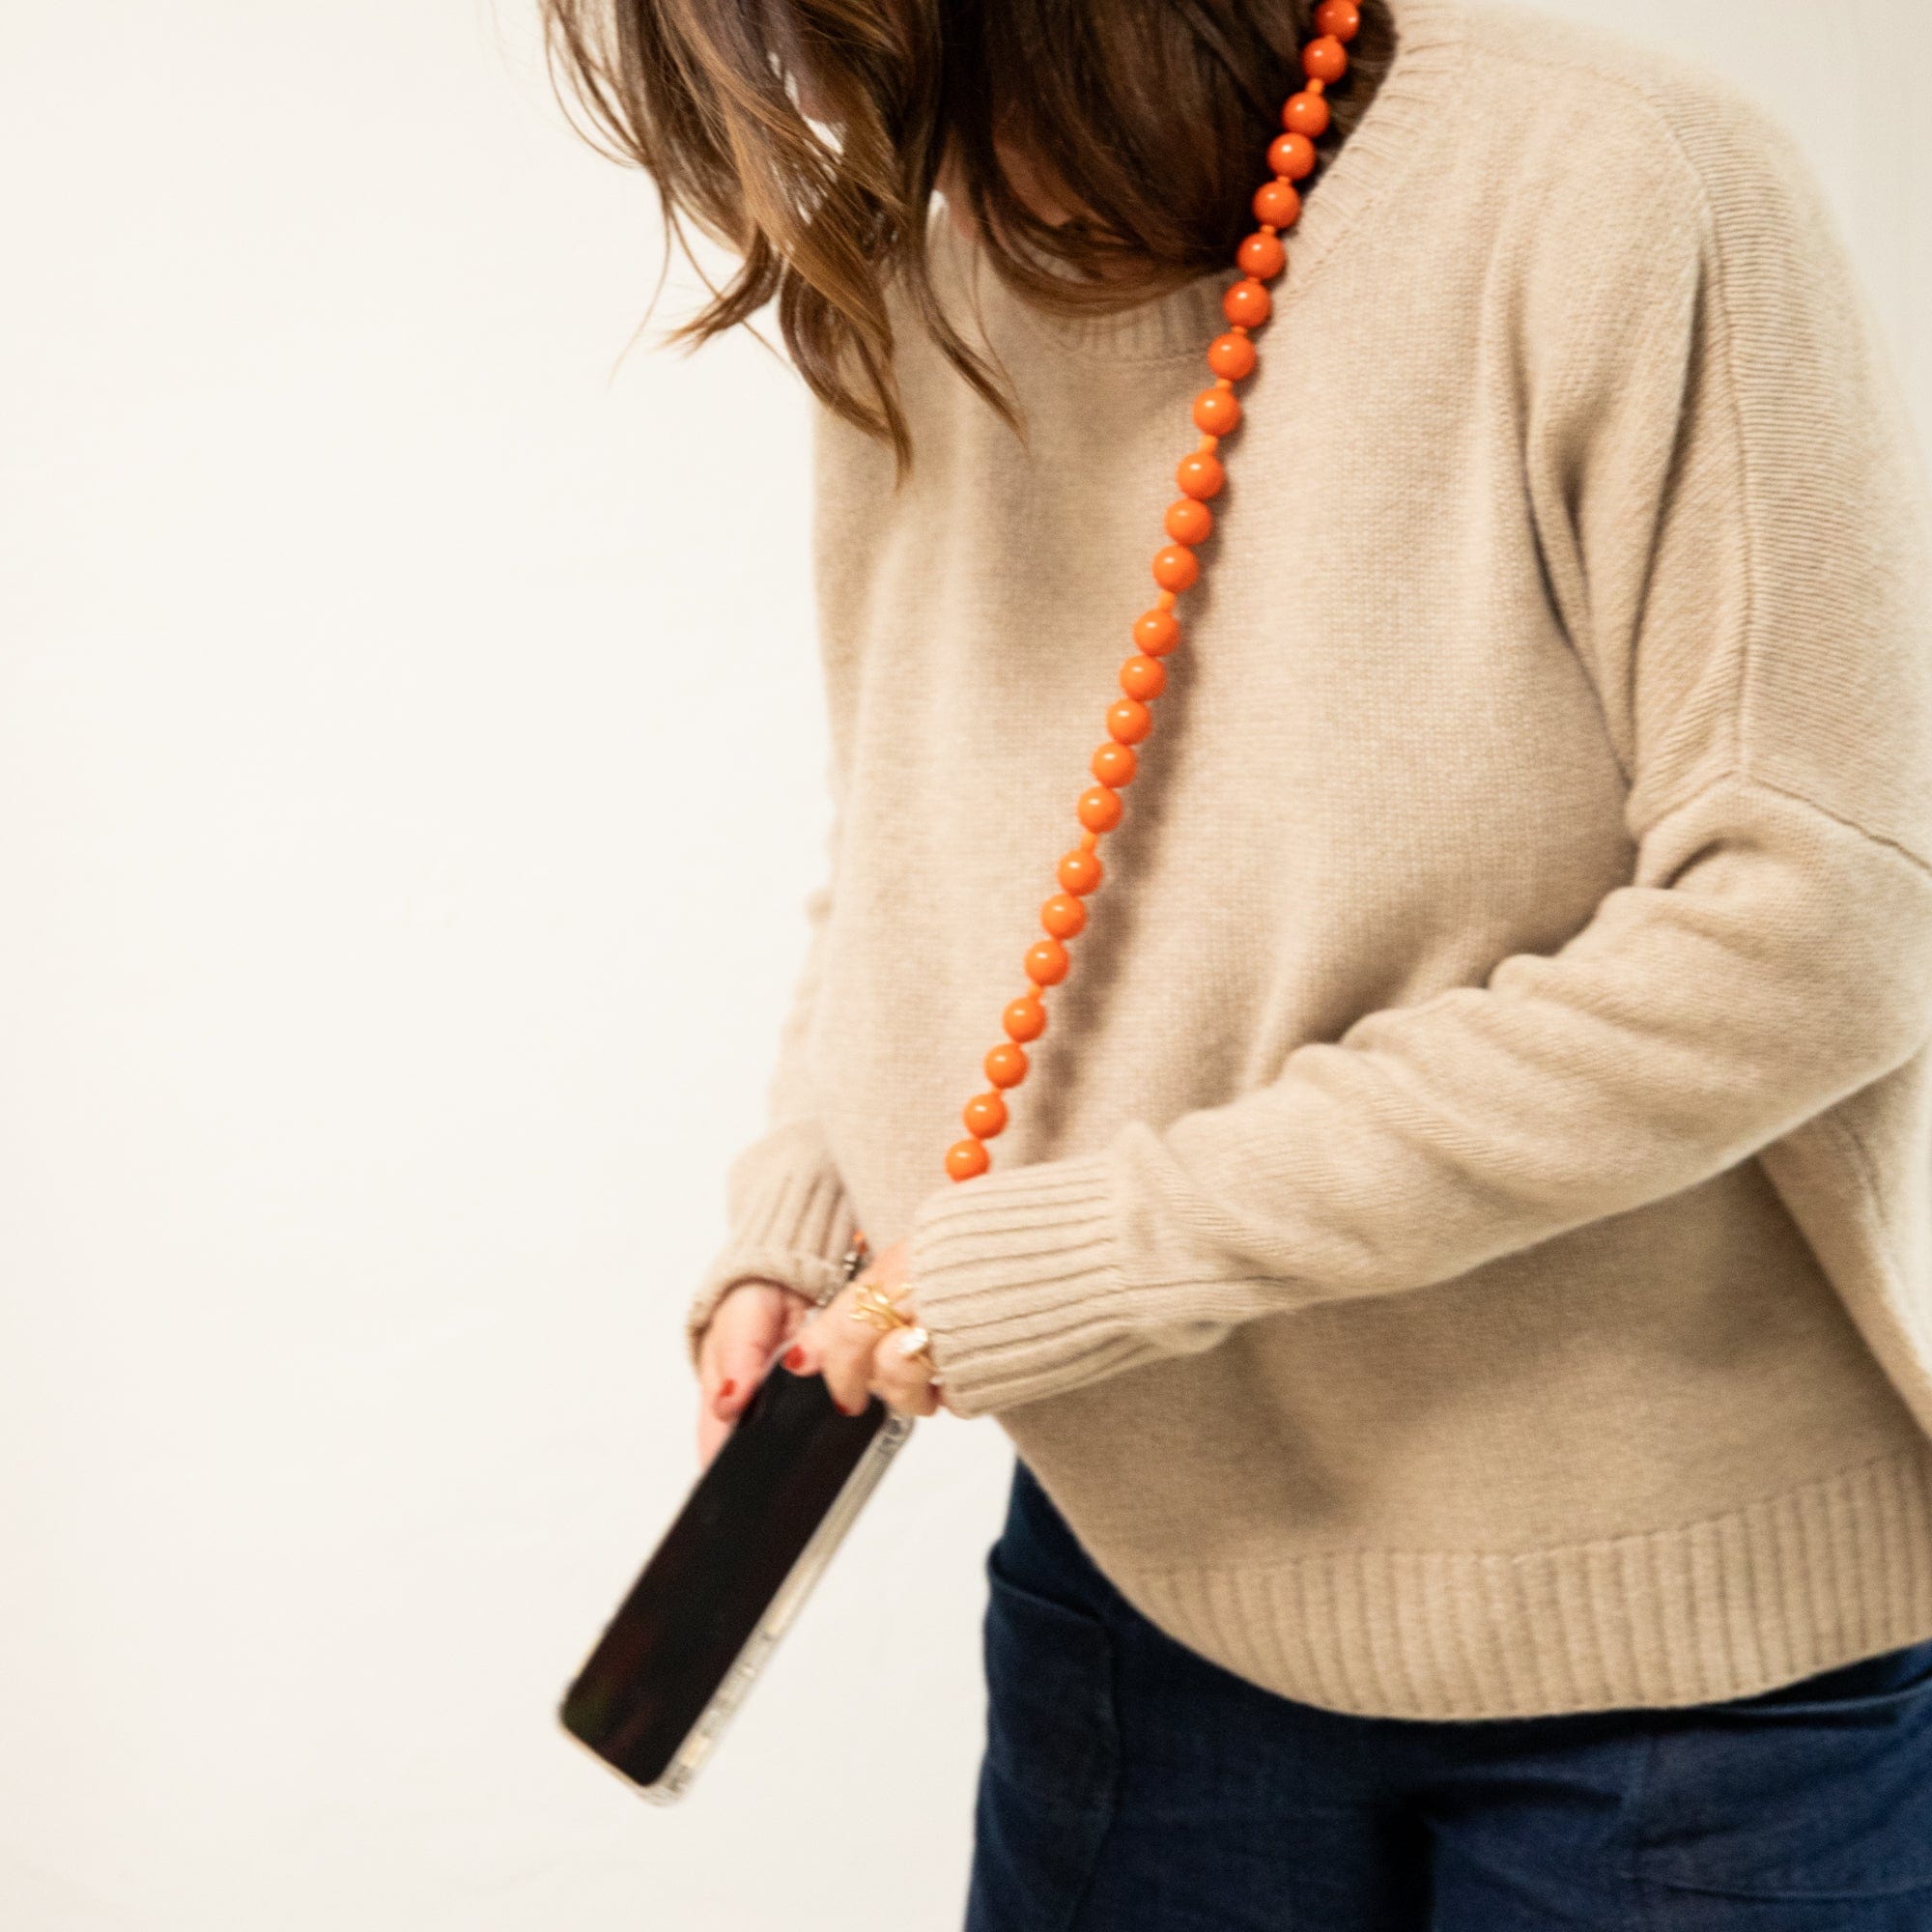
789,1217
1733,520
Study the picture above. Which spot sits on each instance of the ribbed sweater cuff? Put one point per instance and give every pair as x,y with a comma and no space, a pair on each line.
1015,1278
792,1223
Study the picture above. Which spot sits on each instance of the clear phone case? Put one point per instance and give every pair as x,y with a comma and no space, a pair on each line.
727,1577
784,1606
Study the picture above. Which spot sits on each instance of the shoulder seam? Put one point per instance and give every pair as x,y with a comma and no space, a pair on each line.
1734,775
1711,237
1918,862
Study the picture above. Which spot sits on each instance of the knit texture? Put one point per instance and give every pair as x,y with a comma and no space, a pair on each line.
1465,1246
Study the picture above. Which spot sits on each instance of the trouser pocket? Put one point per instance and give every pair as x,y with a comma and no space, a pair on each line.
1820,1790
1050,1776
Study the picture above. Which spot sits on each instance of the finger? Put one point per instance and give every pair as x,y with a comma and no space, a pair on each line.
845,1361
935,1389
900,1373
925,1403
904,1374
839,1348
801,1356
727,1319
711,1433
707,1362
806,1354
797,1315
742,1359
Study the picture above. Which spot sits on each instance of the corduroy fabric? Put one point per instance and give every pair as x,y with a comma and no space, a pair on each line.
1465,1248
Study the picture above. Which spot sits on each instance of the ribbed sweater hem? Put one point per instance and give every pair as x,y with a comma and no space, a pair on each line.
1015,1279
1725,1607
1017,1282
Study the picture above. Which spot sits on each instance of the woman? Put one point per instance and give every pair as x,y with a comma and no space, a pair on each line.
1458,1272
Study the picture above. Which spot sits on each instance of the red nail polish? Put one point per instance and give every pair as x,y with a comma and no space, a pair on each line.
794,1358
726,1390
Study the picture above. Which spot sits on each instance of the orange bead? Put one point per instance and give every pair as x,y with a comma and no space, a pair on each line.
1046,959
1113,765
1176,567
1129,721
1305,113
1100,805
1200,474
1025,1018
1278,203
1143,677
1081,870
1247,303
1231,356
1293,156
966,1158
985,1115
1216,410
1325,59
1341,17
1006,1065
1156,632
1262,256
1188,522
1062,914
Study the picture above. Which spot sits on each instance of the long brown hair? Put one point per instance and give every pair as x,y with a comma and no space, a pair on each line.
806,136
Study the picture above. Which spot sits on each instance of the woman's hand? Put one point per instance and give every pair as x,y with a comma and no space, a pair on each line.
856,1359
751,1323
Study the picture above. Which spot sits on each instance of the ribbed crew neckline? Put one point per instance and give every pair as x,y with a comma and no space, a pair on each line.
1431,41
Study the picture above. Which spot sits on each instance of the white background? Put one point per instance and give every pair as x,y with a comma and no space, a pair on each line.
411,773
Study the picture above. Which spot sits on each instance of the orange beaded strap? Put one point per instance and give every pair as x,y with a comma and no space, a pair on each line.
1247,304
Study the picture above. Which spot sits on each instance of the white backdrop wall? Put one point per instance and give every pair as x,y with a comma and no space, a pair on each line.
411,773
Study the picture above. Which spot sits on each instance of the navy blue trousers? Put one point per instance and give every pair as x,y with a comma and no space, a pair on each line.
1129,1786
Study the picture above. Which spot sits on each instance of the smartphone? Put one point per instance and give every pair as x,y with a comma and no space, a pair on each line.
727,1577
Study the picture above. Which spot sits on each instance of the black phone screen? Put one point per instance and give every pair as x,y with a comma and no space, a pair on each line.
704,1589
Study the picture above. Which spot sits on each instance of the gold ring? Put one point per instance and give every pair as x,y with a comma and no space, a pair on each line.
872,1305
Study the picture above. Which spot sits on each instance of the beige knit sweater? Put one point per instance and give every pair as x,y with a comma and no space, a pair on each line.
1464,1247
